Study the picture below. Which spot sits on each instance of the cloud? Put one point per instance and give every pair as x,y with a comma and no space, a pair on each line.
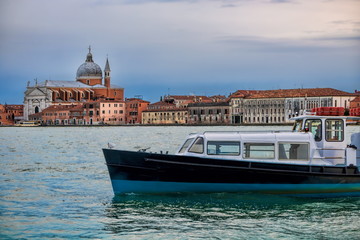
206,45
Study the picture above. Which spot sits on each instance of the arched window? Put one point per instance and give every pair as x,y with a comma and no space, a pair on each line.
36,109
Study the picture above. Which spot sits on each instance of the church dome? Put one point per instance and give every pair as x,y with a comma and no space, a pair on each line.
89,68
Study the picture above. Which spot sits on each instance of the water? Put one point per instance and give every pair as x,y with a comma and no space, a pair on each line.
54,184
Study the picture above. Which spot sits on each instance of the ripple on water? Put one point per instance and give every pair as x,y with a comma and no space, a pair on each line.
58,187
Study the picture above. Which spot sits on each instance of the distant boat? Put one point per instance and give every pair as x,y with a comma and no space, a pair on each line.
28,124
313,160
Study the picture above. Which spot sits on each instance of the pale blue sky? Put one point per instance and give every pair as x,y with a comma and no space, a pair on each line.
202,47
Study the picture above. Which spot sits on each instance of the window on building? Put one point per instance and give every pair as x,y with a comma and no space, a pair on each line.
259,150
198,146
223,148
293,151
334,130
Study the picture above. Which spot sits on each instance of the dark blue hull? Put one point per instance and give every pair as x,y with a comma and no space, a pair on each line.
141,172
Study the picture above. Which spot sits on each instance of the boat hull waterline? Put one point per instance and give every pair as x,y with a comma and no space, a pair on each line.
143,172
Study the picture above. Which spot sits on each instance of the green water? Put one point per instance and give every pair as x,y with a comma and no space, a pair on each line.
54,184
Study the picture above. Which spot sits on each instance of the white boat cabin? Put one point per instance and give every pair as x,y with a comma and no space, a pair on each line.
315,140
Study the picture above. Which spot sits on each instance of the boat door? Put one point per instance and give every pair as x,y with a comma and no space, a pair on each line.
329,135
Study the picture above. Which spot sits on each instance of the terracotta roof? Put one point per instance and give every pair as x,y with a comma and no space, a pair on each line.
209,104
187,97
54,108
35,115
135,100
161,105
357,99
167,110
14,107
288,93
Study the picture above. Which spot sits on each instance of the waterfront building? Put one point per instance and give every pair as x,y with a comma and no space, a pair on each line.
355,106
104,112
61,115
355,103
10,113
278,106
182,101
100,112
90,85
209,113
164,112
134,109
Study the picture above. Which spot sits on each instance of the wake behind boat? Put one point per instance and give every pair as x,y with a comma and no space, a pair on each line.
314,159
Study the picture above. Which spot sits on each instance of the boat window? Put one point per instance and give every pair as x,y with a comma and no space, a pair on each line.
223,148
334,130
297,126
293,151
314,126
259,150
198,146
186,145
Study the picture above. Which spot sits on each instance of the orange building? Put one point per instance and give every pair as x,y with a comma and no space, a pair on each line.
62,115
134,109
101,112
10,113
104,112
90,85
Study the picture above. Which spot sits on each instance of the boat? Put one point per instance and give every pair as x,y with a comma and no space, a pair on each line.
28,124
313,159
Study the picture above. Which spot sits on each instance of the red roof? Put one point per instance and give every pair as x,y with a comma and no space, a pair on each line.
287,93
54,108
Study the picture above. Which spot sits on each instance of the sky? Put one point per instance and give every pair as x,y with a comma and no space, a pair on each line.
182,47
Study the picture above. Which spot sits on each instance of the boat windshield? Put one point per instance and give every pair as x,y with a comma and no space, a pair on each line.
186,145
314,126
297,126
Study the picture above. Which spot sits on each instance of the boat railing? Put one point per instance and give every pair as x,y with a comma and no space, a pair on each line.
338,157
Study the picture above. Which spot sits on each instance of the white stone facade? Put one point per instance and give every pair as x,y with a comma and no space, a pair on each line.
36,99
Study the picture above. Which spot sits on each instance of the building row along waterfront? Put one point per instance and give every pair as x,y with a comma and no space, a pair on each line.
89,113
241,107
278,106
176,109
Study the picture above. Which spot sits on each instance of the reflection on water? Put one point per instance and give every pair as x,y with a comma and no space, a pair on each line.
54,184
236,216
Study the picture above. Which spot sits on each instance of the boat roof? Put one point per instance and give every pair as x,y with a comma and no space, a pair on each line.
256,136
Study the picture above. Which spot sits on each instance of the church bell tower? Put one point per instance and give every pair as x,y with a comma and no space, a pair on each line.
107,74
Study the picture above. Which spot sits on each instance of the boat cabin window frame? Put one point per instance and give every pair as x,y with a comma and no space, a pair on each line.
223,144
297,125
252,150
197,146
315,127
294,151
186,145
334,133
